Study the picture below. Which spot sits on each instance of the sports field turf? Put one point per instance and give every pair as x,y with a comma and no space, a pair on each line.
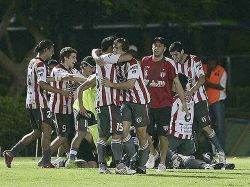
24,172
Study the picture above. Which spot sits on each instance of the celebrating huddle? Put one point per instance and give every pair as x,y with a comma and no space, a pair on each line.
129,95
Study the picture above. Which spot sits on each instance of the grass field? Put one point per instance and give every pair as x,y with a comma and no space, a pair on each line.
24,172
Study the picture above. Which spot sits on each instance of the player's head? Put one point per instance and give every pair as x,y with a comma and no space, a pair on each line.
107,43
159,47
88,66
133,51
68,56
183,80
121,45
177,51
45,48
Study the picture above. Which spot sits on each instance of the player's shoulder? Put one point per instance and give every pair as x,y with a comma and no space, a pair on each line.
169,61
195,58
147,58
133,61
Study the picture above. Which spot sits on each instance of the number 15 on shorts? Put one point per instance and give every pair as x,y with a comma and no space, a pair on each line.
119,127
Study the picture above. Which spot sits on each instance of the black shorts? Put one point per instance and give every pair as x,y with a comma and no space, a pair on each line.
39,115
63,123
159,121
136,114
109,121
201,114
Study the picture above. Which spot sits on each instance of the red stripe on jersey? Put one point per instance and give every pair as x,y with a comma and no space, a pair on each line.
54,98
137,97
112,78
182,68
61,98
144,91
36,90
103,88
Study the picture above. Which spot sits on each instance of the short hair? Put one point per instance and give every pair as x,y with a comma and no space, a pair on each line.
89,60
42,45
107,42
66,52
53,62
124,42
176,46
183,80
161,40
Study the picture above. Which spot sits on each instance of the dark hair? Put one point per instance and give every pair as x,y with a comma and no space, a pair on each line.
176,46
52,62
66,52
42,45
161,40
124,42
183,80
107,42
89,60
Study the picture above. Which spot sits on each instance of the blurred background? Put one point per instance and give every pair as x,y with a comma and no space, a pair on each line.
206,28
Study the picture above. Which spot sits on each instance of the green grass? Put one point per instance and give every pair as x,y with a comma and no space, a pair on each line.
24,172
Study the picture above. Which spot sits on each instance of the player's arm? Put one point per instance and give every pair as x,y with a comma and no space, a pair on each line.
76,77
197,85
84,86
129,84
181,94
45,86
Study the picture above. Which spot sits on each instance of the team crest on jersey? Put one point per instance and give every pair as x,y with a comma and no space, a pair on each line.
163,74
139,119
204,119
165,128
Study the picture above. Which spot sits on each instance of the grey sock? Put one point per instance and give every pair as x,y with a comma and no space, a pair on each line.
116,147
214,140
101,148
143,155
46,157
129,146
17,148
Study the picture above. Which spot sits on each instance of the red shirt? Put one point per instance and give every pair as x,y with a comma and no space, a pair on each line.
160,88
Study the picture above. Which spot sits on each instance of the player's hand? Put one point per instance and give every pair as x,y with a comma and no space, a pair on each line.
106,82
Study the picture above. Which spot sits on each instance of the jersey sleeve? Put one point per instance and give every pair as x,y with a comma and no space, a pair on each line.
172,70
110,58
133,72
41,72
198,68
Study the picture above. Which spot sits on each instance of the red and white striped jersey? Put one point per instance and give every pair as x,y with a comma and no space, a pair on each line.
59,103
36,98
180,125
139,93
106,96
192,68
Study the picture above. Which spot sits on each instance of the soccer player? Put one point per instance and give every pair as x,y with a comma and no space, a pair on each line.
88,67
135,98
107,105
191,66
59,104
180,131
36,103
160,74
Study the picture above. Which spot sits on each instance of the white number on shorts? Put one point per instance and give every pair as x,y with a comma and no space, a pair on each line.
64,128
119,127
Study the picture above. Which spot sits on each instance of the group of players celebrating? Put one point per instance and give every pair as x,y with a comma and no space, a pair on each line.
128,95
